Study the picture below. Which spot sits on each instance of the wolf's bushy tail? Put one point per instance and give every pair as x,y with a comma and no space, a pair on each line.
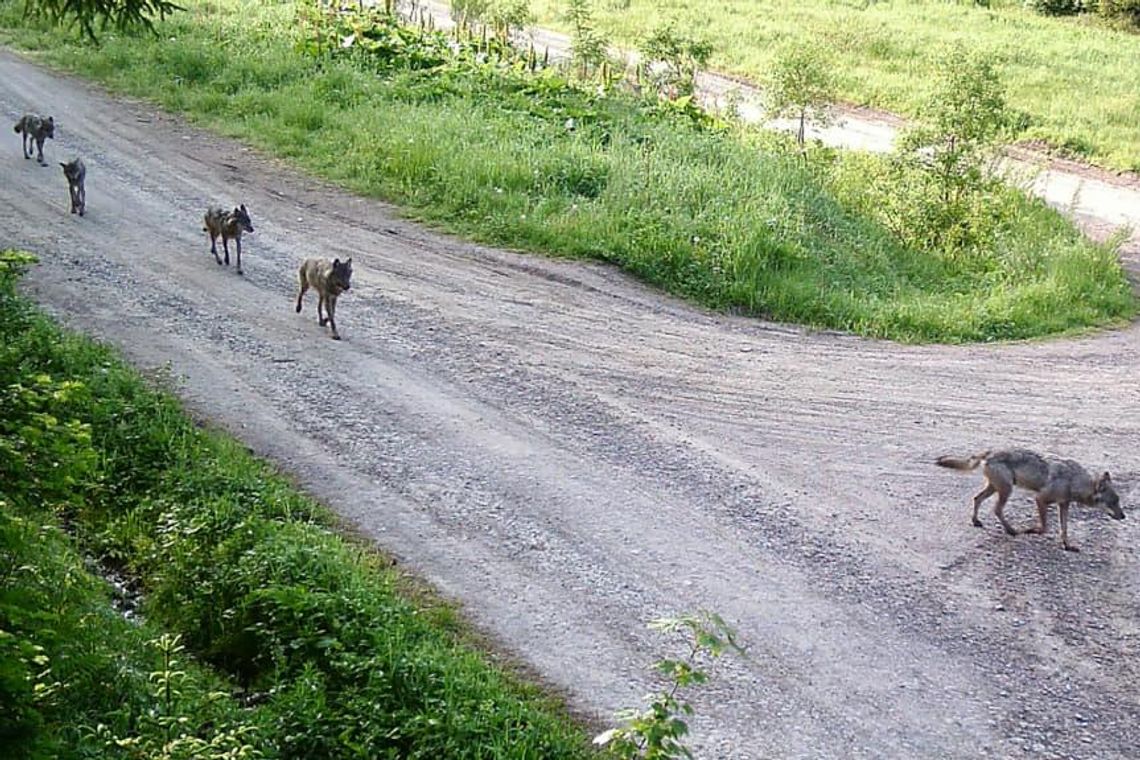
954,463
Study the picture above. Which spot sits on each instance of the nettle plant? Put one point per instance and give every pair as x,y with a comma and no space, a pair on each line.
658,731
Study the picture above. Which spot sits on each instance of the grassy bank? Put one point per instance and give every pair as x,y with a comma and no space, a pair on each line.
296,643
1076,80
731,220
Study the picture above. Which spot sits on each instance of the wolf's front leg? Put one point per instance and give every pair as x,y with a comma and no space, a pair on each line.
332,318
1042,517
1063,508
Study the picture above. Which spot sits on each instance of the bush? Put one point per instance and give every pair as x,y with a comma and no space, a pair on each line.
1060,7
1127,11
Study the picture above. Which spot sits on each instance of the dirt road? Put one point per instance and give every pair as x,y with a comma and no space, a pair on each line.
571,454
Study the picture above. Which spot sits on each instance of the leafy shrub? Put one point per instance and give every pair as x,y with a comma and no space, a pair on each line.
941,193
1127,11
671,60
589,47
659,731
1061,7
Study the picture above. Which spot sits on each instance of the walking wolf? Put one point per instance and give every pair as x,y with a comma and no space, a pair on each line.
228,225
76,173
329,279
35,129
1052,481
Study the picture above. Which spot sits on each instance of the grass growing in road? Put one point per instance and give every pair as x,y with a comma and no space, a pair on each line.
244,588
726,218
1077,81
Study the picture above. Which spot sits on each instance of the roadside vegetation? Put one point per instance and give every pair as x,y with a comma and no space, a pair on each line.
1073,78
255,630
488,142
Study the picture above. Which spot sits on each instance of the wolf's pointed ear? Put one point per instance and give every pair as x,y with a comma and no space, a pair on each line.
63,164
242,207
348,261
1105,477
336,262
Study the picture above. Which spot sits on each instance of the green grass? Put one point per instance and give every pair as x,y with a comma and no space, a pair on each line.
265,597
1076,79
729,219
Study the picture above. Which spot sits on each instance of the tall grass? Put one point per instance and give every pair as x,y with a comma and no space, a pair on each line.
298,644
728,219
1075,80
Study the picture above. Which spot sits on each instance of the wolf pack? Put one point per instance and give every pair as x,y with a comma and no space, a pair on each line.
1051,481
328,278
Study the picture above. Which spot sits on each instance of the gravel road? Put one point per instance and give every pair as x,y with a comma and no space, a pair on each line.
571,454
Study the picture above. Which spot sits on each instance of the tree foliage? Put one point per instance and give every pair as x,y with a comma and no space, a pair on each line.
962,125
102,14
801,85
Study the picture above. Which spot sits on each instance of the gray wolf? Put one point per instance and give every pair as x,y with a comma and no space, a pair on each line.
228,225
35,129
1059,481
329,279
76,173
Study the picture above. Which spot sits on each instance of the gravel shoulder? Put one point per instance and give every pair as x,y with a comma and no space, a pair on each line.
570,454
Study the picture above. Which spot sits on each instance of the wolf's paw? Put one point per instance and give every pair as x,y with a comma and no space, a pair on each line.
977,523
1071,548
335,336
1009,531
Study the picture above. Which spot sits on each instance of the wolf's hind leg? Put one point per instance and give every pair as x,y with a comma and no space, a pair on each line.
304,289
979,497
